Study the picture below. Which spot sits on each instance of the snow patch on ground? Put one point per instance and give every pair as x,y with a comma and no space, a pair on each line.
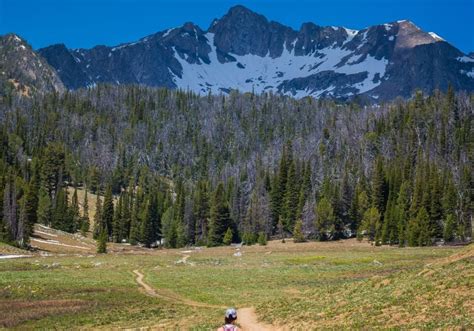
5,257
57,243
46,233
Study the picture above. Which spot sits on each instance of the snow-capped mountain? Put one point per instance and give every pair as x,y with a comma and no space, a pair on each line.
244,51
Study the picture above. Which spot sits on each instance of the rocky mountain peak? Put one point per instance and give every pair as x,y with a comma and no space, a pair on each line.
21,67
409,35
244,50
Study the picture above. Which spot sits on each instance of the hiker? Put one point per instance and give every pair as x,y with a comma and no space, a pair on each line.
230,317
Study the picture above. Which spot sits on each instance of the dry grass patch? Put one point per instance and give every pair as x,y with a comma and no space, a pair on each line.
16,312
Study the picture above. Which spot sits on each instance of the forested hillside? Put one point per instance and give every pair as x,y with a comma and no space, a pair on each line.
214,169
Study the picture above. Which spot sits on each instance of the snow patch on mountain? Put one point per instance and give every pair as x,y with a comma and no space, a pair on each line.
435,36
465,59
468,73
260,74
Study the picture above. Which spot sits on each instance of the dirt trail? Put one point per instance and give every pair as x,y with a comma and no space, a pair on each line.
168,295
247,318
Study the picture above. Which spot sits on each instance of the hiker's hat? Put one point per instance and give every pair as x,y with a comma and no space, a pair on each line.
231,313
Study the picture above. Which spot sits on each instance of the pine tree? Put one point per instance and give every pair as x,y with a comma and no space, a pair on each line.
169,228
75,213
179,213
435,211
378,186
262,238
118,231
228,237
201,212
62,218
402,211
423,221
449,228
22,236
147,236
108,210
85,224
279,184
298,235
220,217
31,201
305,190
10,209
97,217
413,232
371,223
102,241
44,211
281,230
135,224
390,224
291,197
324,219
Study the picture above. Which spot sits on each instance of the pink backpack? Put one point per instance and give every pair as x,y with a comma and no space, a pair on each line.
229,327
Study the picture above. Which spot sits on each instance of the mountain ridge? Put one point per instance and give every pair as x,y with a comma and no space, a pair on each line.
23,70
245,51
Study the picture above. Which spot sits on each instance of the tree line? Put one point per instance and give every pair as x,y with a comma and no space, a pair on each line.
180,169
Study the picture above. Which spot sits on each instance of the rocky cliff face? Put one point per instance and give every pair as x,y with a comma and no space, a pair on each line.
24,70
244,51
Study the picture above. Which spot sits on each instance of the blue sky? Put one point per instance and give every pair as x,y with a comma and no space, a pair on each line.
85,23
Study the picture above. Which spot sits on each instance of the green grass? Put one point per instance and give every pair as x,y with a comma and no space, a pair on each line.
321,285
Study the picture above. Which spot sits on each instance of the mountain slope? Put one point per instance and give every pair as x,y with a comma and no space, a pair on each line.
24,70
245,51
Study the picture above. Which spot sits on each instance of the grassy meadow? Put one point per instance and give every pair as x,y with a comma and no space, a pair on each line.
343,284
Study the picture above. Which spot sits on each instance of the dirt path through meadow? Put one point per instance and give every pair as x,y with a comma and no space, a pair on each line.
247,318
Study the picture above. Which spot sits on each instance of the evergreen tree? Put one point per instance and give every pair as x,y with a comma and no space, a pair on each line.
305,190
44,211
201,212
425,231
75,213
169,228
371,223
102,241
378,195
298,235
135,225
449,228
147,235
85,224
220,217
107,217
62,218
179,215
281,230
97,217
118,227
228,237
291,197
31,202
402,211
262,238
10,210
324,219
